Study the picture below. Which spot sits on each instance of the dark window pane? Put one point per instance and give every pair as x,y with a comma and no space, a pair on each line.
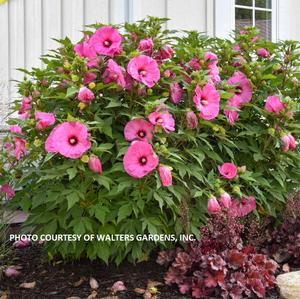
263,21
244,2
243,17
263,3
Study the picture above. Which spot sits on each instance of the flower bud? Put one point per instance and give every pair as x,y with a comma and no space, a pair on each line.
37,142
262,52
74,78
213,206
225,200
242,169
165,175
167,73
85,159
191,119
239,61
236,190
95,164
92,85
82,106
271,131
146,46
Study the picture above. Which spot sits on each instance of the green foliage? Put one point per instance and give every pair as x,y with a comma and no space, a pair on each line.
64,197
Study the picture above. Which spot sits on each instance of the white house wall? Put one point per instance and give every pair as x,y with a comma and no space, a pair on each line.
27,26
289,19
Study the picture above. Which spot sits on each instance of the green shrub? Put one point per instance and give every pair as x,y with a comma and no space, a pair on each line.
88,191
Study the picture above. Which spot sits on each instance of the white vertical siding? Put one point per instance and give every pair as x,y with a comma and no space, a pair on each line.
4,59
95,8
33,32
142,9
52,23
187,14
288,19
184,15
224,18
16,15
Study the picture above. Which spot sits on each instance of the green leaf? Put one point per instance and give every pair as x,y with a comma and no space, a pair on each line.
124,212
71,91
72,199
104,181
72,173
100,214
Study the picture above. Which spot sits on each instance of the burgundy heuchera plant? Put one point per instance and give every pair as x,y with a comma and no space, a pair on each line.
220,264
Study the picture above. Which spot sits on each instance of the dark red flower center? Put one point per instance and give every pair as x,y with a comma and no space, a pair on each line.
141,134
159,120
238,90
107,43
142,72
204,102
143,160
73,140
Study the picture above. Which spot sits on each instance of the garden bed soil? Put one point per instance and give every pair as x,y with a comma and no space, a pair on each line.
60,281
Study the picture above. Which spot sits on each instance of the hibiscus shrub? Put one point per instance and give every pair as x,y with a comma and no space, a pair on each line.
133,130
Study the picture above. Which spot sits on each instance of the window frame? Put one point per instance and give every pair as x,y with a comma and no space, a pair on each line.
253,8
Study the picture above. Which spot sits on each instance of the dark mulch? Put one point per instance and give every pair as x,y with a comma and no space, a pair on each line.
57,280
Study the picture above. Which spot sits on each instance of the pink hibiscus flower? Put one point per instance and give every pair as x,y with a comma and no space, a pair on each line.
165,174
44,120
237,47
89,77
165,52
144,69
238,60
70,139
8,190
212,60
194,64
107,41
146,46
140,159
228,171
16,129
274,105
176,93
207,101
20,143
85,95
263,52
138,129
87,50
243,207
232,115
243,86
163,119
114,73
24,242
25,107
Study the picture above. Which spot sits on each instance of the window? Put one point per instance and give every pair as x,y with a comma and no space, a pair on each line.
258,13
